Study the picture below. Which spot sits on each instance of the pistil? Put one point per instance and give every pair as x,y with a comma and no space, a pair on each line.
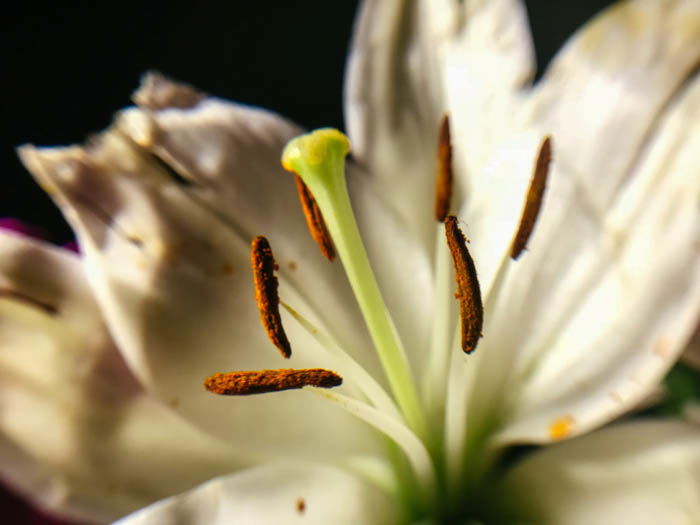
319,159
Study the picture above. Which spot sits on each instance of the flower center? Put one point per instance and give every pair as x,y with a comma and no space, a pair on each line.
430,426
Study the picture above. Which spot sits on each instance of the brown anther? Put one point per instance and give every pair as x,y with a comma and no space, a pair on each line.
533,201
471,311
443,175
264,266
264,381
314,220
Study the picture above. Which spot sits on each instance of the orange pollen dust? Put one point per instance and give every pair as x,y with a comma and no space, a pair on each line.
443,169
314,220
561,428
533,201
266,284
264,381
471,310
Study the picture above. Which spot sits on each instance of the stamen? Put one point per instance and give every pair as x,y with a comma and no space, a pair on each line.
264,381
443,179
471,311
533,201
314,220
264,266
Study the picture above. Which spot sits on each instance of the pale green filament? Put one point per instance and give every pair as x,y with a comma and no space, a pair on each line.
348,366
319,159
441,349
411,445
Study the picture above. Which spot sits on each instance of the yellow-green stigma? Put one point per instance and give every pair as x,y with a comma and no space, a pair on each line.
310,151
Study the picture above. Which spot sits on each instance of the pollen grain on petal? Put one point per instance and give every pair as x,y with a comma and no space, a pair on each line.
314,220
533,200
561,428
265,282
443,175
471,311
265,381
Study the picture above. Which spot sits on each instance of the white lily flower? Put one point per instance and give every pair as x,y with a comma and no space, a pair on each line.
577,329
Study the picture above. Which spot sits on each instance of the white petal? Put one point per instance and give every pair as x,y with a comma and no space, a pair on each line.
402,266
286,493
603,302
78,435
604,94
642,473
171,271
231,153
404,57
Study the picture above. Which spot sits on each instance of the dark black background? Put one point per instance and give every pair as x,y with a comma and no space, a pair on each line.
65,70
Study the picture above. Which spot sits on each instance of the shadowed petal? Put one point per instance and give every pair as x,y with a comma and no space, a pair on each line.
645,473
171,273
691,356
288,493
406,59
78,434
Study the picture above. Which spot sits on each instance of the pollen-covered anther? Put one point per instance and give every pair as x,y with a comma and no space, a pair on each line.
443,169
471,310
314,220
533,201
264,266
264,381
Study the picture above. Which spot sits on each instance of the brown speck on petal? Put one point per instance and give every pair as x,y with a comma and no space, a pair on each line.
471,310
264,381
264,266
301,505
663,348
136,241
